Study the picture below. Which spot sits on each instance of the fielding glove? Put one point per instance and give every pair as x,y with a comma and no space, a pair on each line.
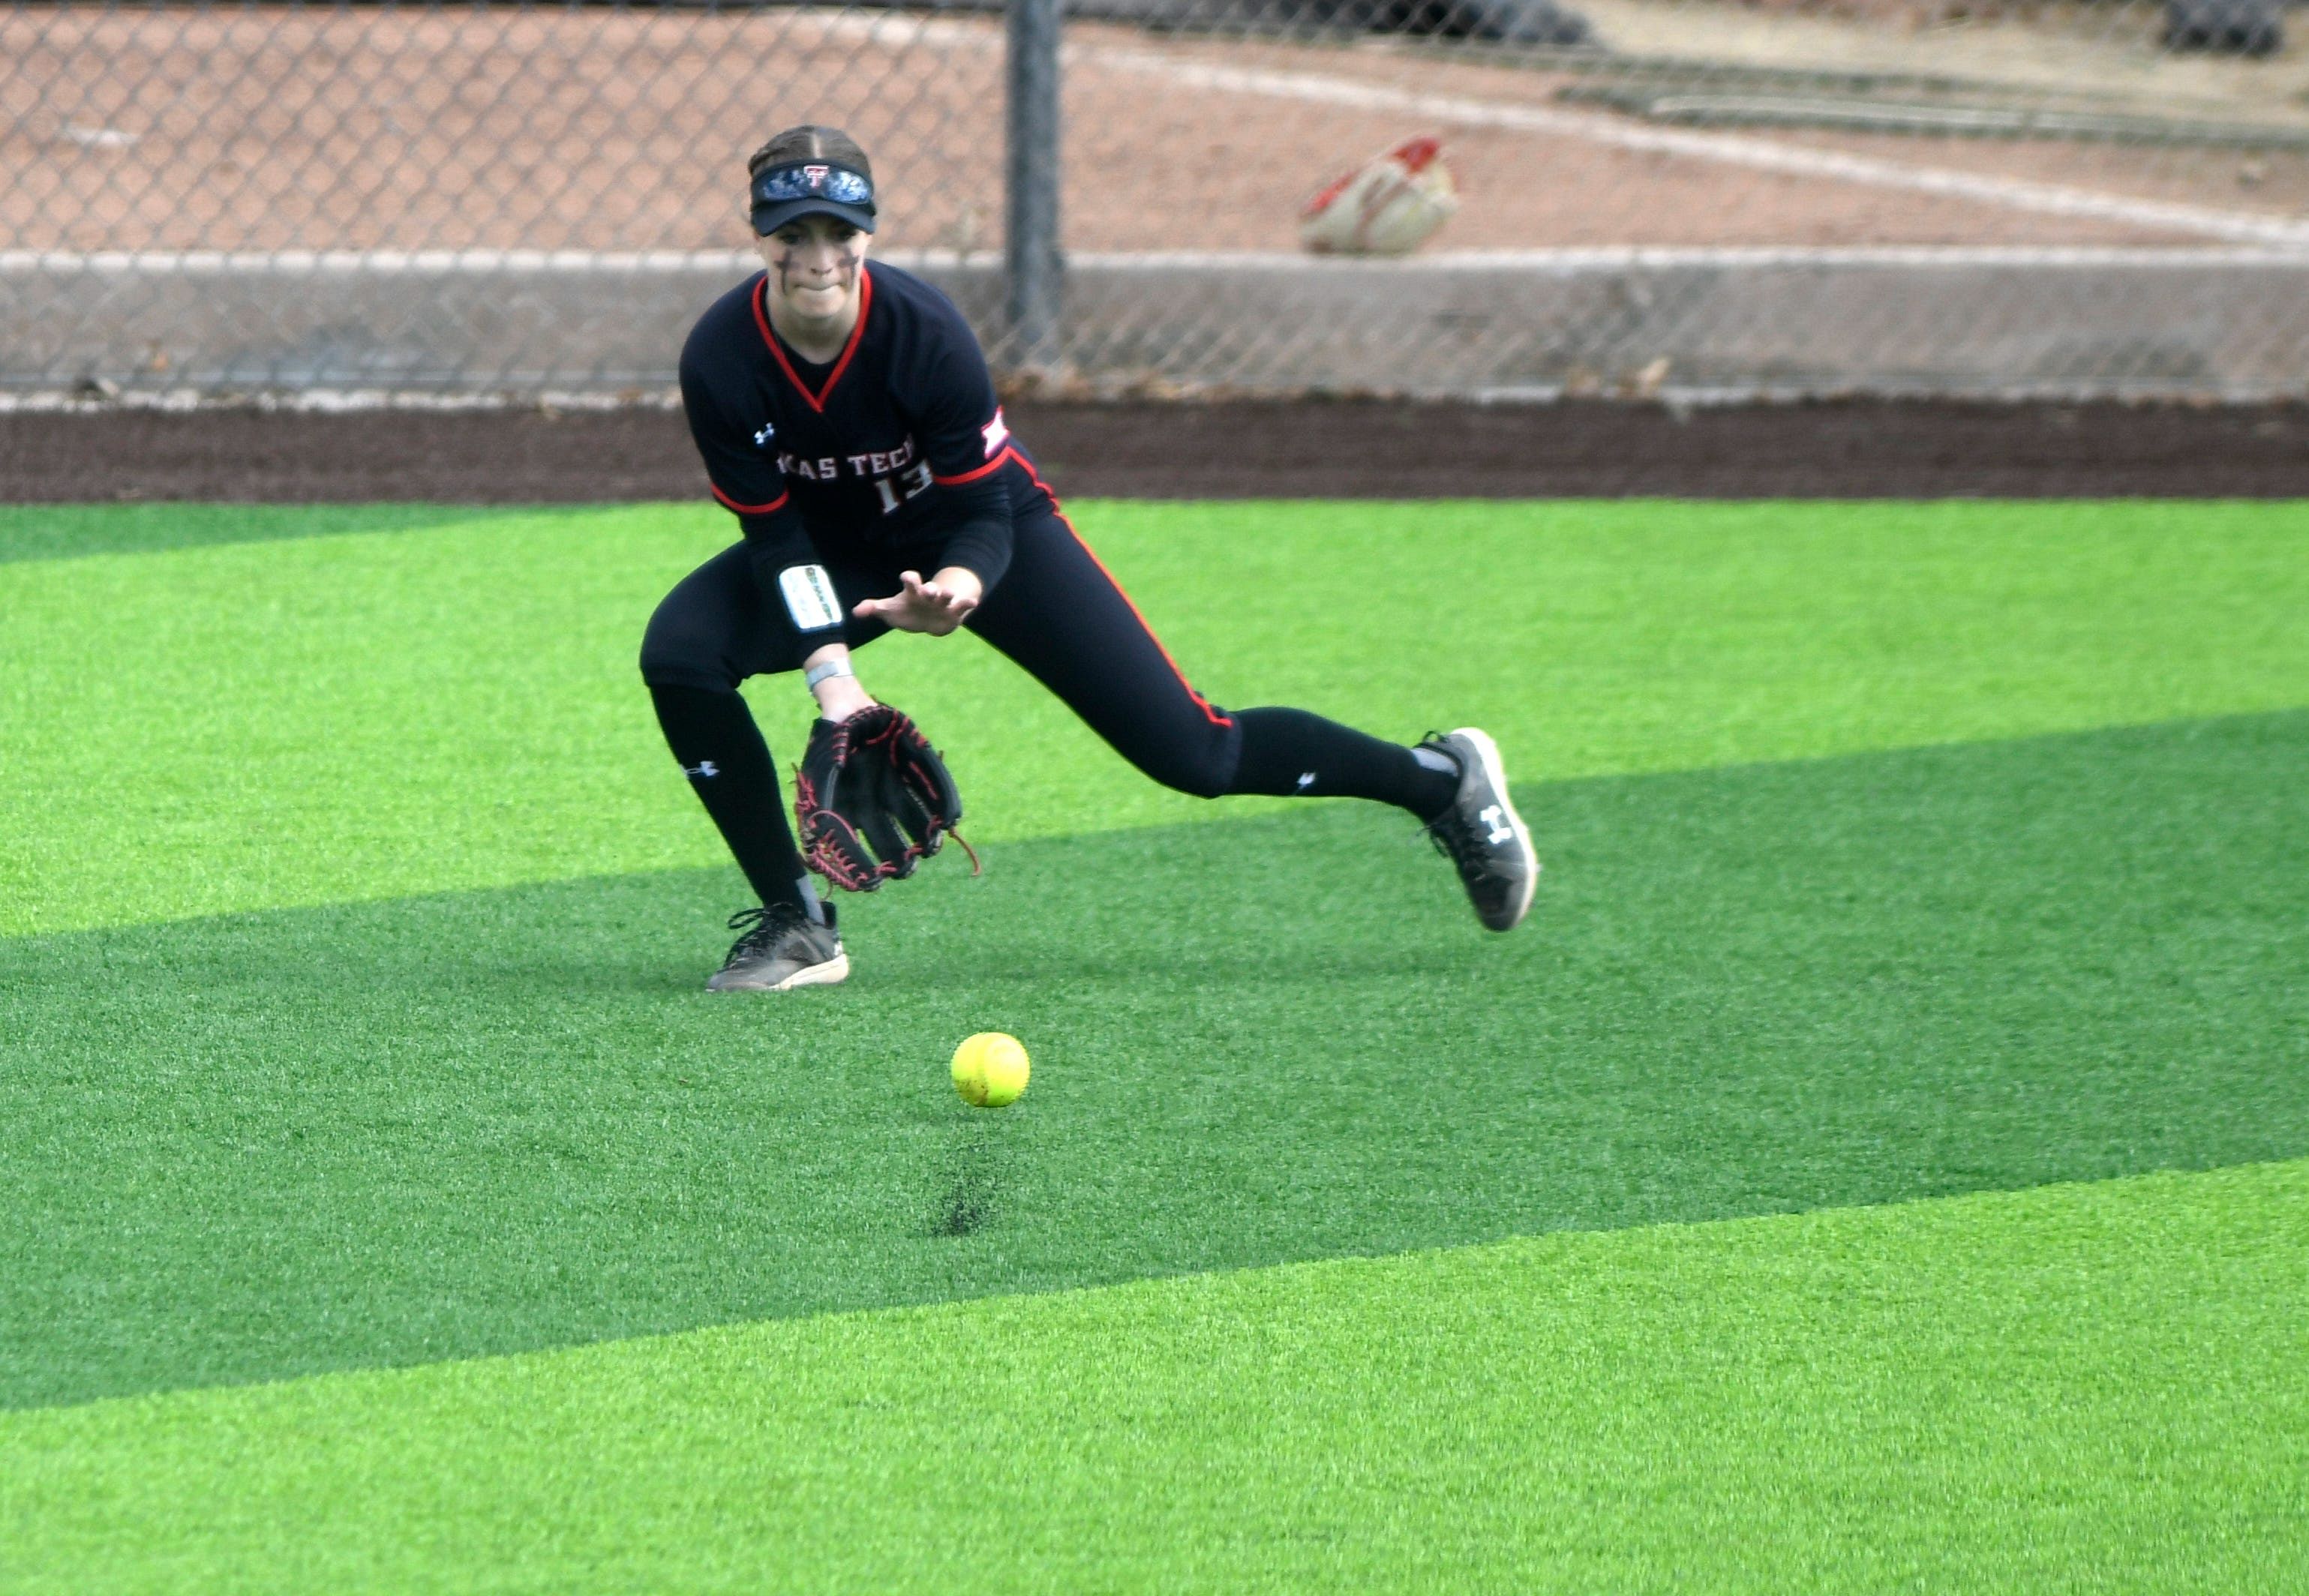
873,799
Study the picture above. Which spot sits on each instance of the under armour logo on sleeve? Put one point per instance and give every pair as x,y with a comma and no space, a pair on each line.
996,433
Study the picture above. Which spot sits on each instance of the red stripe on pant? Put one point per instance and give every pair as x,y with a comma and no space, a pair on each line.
1216,716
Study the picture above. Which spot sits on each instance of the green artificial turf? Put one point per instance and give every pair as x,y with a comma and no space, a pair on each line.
268,1145
371,714
352,919
74,532
2074,1389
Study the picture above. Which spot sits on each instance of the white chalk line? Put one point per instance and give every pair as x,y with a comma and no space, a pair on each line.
1738,149
962,35
667,396
737,264
2011,194
1628,257
39,402
378,262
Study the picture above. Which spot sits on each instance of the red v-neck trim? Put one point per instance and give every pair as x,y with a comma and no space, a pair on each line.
817,401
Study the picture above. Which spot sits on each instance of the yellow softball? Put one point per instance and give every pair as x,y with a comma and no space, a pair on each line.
990,1069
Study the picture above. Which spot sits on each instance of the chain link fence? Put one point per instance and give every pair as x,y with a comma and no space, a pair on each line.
339,202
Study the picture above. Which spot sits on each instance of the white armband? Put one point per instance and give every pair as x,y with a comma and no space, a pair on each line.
809,594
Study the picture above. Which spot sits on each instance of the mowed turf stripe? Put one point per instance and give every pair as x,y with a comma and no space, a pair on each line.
275,724
247,1148
2076,1388
76,532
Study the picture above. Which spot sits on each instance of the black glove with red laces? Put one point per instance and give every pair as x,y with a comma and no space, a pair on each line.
873,799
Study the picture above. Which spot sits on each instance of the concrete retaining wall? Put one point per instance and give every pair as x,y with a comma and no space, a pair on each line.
2225,324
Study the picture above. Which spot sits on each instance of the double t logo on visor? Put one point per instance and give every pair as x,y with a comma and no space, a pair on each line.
812,180
781,193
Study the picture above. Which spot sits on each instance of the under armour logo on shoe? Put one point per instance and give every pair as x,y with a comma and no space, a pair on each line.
704,768
1496,818
1306,780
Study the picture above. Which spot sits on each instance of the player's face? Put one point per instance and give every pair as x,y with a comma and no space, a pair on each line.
814,263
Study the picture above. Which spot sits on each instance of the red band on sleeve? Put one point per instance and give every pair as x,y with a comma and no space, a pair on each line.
772,508
991,467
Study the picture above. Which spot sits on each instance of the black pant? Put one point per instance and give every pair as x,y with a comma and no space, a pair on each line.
1056,612
1061,617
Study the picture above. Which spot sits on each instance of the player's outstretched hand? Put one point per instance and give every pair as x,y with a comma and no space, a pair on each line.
934,606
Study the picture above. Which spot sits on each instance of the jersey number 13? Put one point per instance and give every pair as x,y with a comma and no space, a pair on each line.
898,488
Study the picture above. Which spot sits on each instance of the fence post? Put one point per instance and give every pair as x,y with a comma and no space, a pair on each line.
1031,256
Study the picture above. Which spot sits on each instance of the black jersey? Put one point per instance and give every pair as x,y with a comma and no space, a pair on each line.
899,443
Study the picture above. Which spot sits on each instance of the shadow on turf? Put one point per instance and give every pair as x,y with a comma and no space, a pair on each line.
69,532
972,1183
263,1145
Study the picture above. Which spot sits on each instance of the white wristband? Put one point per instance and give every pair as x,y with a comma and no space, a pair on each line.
826,672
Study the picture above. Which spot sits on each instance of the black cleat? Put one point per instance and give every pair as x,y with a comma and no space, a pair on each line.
783,948
1480,833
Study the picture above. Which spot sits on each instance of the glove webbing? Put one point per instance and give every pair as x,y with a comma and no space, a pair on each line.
833,847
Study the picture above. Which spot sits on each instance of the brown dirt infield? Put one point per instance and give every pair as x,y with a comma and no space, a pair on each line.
1314,450
265,127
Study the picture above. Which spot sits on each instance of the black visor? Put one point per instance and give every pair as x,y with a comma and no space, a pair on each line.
810,188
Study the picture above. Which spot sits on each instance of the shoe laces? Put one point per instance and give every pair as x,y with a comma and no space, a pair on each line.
1452,841
1476,861
759,929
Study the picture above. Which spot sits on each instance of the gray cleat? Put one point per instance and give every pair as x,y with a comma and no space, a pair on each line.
783,948
1482,833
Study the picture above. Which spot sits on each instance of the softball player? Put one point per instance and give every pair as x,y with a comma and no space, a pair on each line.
845,416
